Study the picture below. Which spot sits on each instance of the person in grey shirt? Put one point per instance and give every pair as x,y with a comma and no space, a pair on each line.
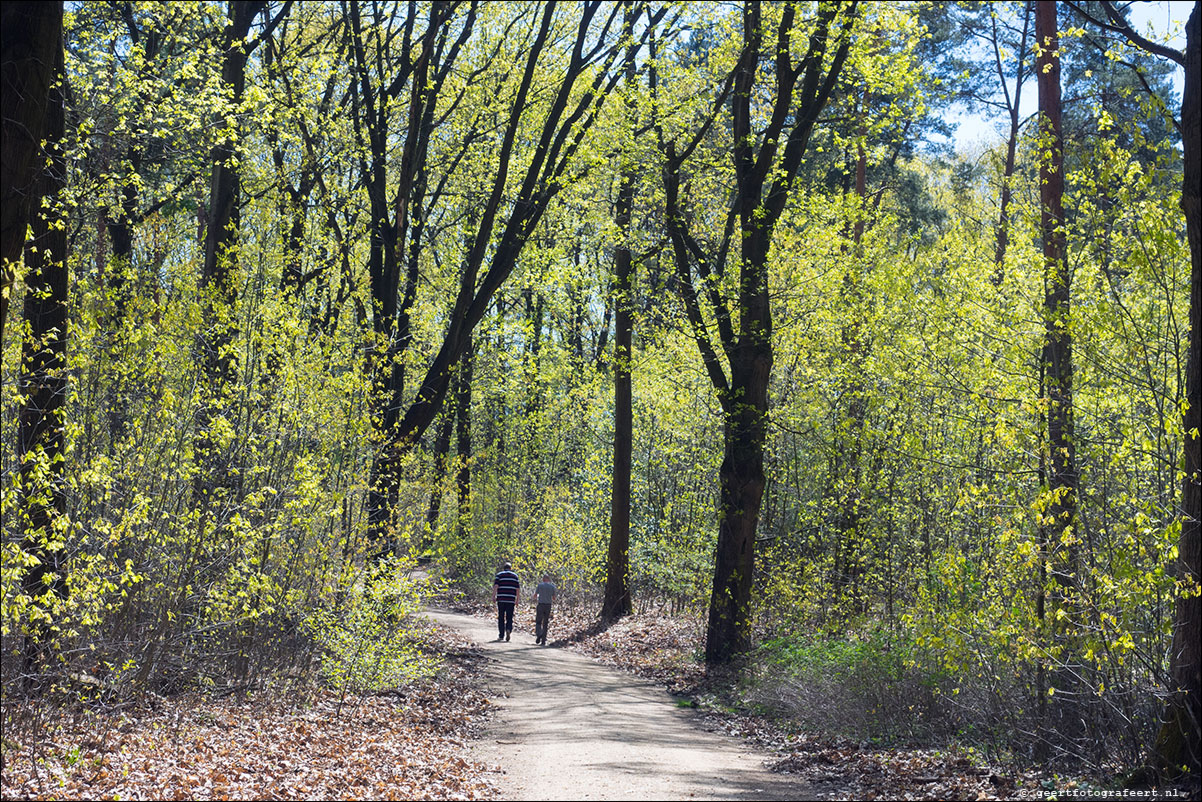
544,594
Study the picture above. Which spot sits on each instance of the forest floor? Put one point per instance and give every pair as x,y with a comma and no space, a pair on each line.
626,712
287,740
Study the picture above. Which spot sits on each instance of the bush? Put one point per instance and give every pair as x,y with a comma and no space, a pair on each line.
368,643
869,687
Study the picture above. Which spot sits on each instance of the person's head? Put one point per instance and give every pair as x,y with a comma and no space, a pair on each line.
546,577
506,566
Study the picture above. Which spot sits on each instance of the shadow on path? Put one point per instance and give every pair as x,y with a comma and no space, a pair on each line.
567,728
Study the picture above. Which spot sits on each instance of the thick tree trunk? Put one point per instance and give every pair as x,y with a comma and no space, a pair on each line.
31,35
745,408
763,179
742,489
390,227
617,601
1057,355
43,383
1179,743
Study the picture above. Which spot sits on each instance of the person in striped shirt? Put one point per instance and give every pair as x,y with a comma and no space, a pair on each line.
506,588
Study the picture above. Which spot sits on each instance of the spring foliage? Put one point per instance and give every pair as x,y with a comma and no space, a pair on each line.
905,388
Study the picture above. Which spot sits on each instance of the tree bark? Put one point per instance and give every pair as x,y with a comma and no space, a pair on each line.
463,441
1060,518
1179,742
393,225
31,36
570,116
442,447
43,383
763,179
762,193
1057,355
617,601
220,264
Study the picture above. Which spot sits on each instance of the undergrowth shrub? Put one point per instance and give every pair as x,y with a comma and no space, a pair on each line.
868,687
368,642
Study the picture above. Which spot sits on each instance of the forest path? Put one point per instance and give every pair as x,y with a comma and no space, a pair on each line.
566,728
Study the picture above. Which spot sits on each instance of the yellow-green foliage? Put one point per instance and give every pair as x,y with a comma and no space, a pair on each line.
366,642
216,525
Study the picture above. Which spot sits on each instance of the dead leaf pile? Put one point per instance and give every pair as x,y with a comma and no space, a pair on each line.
844,770
310,743
664,649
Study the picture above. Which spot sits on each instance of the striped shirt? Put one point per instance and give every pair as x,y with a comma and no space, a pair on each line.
506,584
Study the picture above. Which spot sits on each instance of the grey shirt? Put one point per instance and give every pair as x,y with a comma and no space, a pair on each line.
545,592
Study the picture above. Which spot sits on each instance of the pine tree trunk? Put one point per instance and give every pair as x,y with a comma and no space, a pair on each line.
1060,516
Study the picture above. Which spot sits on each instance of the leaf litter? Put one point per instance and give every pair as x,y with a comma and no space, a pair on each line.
285,742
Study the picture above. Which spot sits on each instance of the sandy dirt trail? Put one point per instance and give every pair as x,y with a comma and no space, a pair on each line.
566,728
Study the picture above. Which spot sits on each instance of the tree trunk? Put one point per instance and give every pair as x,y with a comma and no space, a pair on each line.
576,335
763,179
617,601
1060,516
463,440
1012,106
31,33
1178,743
442,447
563,129
220,266
742,489
849,435
390,227
43,383
120,274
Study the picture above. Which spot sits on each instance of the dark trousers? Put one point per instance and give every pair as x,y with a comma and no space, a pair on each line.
542,618
504,618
